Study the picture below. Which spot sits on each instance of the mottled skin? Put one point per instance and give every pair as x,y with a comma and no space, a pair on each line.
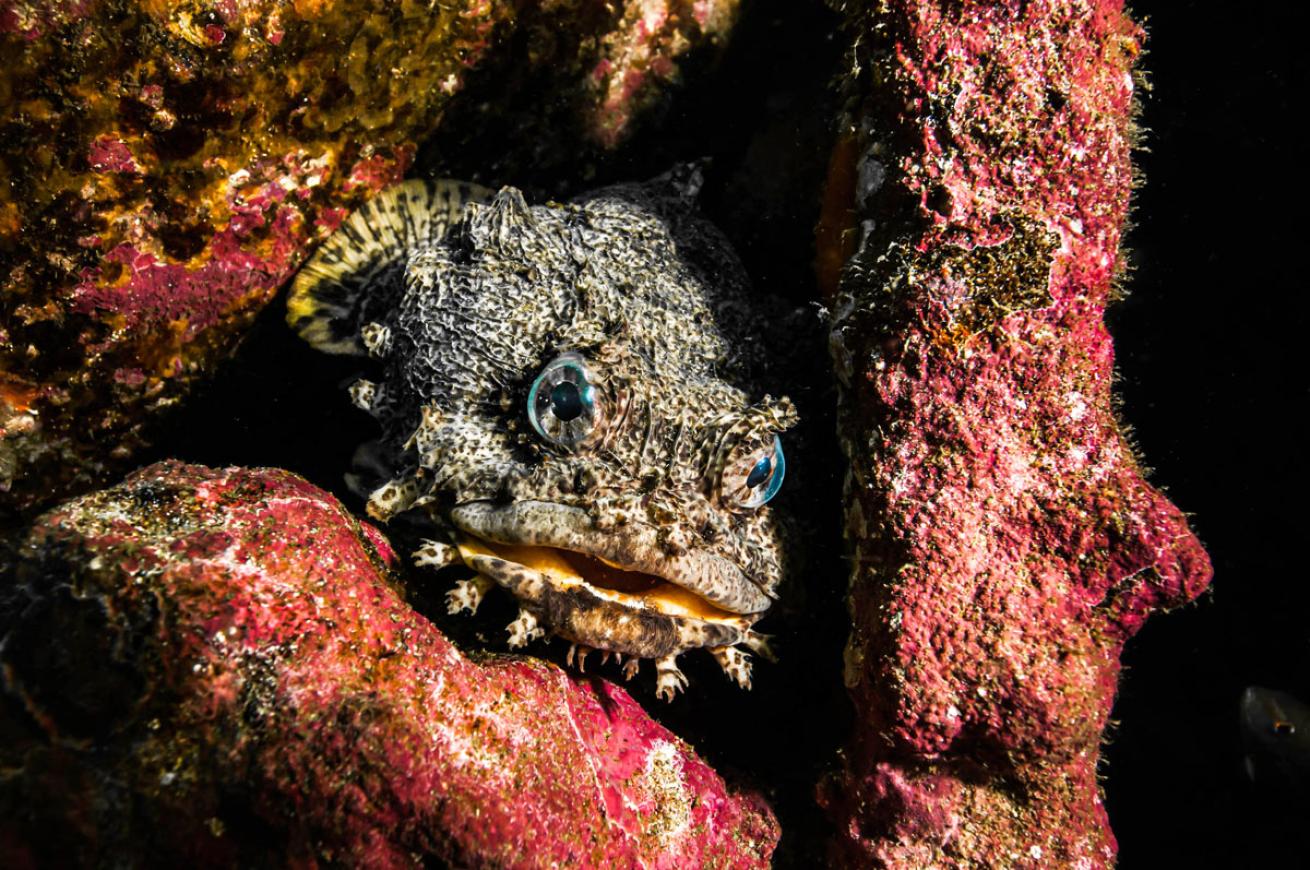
653,302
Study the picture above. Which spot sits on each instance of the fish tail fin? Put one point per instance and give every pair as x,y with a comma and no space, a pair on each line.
362,264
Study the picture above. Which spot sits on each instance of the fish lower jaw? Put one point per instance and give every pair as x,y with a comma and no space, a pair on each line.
597,607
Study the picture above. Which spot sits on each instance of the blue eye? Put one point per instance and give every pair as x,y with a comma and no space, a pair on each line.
562,405
765,477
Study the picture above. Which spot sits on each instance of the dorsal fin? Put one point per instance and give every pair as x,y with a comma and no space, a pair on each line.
362,264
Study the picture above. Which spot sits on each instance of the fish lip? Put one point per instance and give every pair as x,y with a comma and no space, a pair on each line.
714,578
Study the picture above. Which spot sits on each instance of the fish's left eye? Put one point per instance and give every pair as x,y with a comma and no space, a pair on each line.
756,477
563,406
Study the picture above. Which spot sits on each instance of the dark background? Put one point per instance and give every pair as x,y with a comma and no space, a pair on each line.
1213,383
1211,347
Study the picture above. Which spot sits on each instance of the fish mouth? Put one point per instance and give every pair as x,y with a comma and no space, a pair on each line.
626,566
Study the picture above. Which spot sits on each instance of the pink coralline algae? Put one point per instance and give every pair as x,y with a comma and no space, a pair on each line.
638,54
239,680
1004,540
110,155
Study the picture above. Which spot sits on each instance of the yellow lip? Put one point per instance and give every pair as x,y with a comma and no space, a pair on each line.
566,569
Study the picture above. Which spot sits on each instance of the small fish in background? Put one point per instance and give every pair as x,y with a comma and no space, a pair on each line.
1276,739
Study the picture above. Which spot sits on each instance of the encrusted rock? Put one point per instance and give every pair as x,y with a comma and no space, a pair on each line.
1005,542
238,680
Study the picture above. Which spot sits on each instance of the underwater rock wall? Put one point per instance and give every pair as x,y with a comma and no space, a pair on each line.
164,167
239,681
1005,541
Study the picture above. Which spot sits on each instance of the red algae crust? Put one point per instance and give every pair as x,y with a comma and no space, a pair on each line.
166,166
1005,541
239,680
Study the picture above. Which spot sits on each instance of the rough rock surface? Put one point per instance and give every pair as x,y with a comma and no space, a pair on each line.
165,166
240,682
1005,542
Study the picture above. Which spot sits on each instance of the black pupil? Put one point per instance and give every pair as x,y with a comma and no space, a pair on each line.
565,401
760,472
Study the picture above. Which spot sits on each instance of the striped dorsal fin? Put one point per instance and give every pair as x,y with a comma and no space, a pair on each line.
360,268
